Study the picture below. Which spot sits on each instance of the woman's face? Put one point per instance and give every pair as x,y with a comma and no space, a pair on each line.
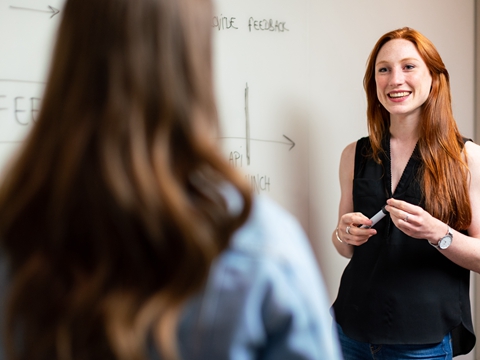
402,78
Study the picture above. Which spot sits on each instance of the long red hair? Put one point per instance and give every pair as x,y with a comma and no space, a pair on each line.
445,171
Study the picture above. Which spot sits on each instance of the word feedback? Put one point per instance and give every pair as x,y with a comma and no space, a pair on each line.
230,23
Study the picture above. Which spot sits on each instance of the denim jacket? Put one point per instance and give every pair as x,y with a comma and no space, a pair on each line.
265,298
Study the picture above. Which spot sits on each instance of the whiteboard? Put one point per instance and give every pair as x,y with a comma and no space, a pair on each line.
27,29
261,63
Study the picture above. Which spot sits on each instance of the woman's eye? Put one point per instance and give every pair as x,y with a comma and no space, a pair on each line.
381,70
409,67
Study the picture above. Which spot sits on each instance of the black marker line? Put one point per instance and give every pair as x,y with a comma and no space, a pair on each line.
52,10
23,81
247,125
291,143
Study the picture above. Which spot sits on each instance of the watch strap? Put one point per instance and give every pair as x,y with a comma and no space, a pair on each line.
449,233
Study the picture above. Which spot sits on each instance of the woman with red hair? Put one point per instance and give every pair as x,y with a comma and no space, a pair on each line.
405,291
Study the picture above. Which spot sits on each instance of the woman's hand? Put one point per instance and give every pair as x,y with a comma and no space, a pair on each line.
414,221
349,230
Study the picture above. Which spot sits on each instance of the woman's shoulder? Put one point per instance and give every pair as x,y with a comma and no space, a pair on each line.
268,223
350,150
272,250
270,246
472,149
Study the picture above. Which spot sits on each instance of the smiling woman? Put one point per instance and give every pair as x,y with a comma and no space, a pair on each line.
405,290
402,78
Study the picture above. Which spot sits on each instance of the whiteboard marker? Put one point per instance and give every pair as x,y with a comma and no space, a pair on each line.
376,218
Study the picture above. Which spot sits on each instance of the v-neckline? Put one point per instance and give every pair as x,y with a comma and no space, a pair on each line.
407,174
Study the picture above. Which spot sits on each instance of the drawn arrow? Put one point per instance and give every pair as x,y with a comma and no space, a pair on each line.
290,141
22,81
52,10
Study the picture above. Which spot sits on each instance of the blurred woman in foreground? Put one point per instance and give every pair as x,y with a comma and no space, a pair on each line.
124,232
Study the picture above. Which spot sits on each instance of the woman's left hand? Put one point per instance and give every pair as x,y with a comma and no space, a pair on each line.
412,219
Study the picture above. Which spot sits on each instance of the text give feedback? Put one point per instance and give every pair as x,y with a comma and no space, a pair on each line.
230,23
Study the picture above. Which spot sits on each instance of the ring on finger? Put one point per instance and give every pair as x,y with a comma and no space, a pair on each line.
406,218
347,230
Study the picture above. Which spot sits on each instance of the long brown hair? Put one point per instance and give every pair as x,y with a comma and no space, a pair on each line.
113,211
445,172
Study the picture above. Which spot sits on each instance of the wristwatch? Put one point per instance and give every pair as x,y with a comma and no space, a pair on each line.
445,241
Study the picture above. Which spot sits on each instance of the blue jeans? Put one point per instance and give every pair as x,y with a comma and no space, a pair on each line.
356,350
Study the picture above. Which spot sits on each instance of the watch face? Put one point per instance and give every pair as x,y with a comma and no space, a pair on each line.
445,242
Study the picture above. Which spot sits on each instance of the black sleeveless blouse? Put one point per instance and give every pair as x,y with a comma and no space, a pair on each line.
397,289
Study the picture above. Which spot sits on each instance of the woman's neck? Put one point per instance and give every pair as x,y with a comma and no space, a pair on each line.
404,129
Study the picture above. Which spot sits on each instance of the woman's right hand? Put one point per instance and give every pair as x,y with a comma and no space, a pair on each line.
350,232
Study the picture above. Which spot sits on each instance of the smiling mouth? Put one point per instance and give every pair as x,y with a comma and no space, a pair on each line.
398,94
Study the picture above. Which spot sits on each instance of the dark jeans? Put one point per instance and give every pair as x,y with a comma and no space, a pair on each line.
356,350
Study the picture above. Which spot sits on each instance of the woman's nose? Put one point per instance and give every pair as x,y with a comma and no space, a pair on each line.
397,77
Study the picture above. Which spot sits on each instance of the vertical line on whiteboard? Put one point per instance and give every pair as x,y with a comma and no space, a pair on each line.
247,124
